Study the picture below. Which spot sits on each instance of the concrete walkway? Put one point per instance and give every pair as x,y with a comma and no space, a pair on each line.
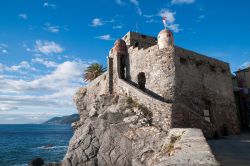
232,150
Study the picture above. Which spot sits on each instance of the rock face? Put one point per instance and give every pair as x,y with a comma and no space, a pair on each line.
116,130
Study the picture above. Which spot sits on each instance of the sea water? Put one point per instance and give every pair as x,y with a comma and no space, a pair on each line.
19,144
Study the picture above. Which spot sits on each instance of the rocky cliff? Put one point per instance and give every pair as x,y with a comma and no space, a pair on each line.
117,130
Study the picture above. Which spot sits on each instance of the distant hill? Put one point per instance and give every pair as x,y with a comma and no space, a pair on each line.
63,120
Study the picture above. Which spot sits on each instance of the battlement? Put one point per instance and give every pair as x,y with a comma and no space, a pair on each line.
139,40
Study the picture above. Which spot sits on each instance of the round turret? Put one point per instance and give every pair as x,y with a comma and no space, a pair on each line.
165,39
120,46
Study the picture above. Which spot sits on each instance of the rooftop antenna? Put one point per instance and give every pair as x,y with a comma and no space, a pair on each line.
164,20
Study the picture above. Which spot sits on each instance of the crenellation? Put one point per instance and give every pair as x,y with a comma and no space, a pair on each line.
139,40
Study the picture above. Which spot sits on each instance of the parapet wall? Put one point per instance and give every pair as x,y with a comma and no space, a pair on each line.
161,110
139,40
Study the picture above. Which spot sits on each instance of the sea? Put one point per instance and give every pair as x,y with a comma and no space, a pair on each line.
19,144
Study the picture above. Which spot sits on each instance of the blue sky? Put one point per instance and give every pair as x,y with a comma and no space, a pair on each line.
46,45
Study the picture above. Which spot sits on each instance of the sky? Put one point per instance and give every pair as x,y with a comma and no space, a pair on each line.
46,45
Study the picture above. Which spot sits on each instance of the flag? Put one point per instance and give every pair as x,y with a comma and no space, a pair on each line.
164,20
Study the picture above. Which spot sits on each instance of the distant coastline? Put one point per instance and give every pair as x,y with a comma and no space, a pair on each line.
64,120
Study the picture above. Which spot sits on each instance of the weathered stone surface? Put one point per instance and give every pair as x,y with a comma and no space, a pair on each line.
123,133
178,77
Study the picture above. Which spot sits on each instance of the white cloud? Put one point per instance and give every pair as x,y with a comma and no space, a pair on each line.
3,48
25,45
182,1
174,27
51,5
117,27
21,67
170,20
51,28
4,107
23,16
151,20
201,17
44,62
50,91
245,65
105,37
11,119
119,2
48,47
96,22
148,16
4,51
167,13
136,3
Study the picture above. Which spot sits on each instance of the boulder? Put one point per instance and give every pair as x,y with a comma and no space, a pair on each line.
36,162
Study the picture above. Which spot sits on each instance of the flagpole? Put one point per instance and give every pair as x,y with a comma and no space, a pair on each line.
164,20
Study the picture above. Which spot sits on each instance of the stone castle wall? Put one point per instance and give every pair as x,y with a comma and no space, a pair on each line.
203,83
158,67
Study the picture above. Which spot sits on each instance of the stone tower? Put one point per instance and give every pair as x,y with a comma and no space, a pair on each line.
165,39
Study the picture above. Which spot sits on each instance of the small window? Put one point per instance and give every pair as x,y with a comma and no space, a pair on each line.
207,111
212,68
125,37
169,35
198,63
206,115
144,36
223,70
136,44
183,60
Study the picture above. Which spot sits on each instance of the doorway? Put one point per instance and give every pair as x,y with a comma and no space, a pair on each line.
141,80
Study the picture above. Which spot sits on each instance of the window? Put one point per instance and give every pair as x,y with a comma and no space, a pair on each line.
206,115
123,67
183,60
136,44
144,36
207,111
212,68
223,70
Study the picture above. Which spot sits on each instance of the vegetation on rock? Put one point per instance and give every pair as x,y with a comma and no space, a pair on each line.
93,71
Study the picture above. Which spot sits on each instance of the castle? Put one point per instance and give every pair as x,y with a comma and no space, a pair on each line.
183,88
